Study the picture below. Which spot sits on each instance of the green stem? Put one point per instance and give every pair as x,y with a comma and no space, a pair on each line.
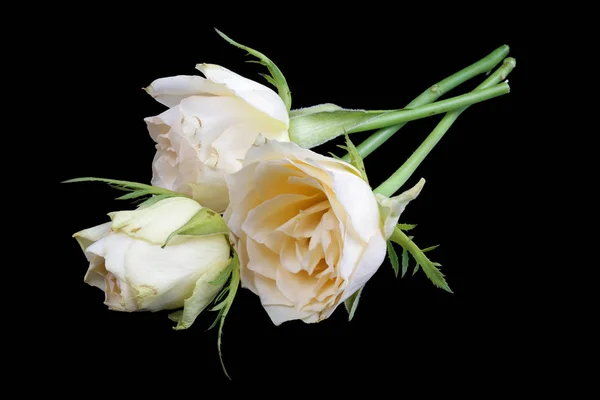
484,65
402,174
458,102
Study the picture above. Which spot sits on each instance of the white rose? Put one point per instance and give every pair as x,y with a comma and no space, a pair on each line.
307,228
128,263
208,129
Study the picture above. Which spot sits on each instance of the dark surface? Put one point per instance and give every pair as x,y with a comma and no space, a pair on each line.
401,325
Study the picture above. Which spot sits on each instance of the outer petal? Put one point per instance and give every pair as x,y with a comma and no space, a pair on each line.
210,188
277,150
112,249
88,236
242,198
204,292
369,263
155,223
280,314
165,277
164,171
258,96
358,202
96,273
391,208
161,124
170,91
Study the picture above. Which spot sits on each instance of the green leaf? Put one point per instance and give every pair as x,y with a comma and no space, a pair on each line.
429,268
407,227
425,250
309,129
154,199
135,194
393,257
125,185
205,222
416,269
355,158
404,262
351,303
225,305
278,80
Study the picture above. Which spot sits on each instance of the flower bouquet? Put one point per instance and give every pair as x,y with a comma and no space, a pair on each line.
238,198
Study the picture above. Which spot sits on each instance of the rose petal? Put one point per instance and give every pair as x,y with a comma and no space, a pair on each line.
88,236
288,258
304,224
369,263
261,259
265,218
258,96
299,288
203,293
276,177
269,293
161,124
112,249
358,202
165,277
280,314
242,197
211,188
246,275
155,223
171,90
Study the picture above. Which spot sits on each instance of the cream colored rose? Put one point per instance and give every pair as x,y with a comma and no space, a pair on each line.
128,263
208,129
307,228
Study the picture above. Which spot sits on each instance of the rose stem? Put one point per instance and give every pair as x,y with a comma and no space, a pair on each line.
484,65
395,182
439,107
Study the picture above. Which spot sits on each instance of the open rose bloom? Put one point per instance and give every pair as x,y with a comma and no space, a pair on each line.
307,228
209,127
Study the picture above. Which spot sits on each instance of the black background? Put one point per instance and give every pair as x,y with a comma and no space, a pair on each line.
402,325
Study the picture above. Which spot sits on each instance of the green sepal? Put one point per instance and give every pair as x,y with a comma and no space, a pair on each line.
351,303
325,107
276,79
355,159
175,316
313,126
223,276
205,222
